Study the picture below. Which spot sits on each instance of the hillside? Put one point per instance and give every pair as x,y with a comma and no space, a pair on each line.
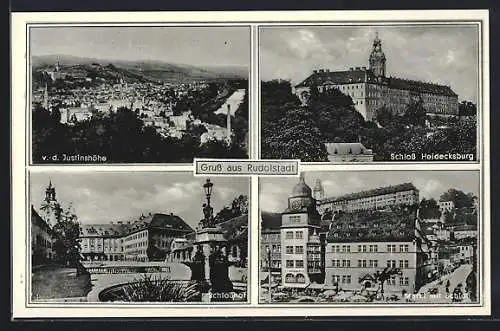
140,70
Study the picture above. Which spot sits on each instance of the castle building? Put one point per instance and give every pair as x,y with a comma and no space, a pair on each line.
371,89
380,198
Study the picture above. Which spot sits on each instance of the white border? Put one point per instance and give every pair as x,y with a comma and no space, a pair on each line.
20,162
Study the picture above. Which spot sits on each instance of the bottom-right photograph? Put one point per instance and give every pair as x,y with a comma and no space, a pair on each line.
387,237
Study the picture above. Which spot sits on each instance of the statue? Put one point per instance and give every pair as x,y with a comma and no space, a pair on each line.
208,220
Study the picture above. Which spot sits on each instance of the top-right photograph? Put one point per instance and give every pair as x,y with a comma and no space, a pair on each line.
386,93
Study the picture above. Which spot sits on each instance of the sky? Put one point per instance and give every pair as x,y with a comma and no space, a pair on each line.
101,197
228,46
445,54
274,192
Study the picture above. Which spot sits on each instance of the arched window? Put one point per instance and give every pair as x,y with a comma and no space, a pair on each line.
300,278
290,278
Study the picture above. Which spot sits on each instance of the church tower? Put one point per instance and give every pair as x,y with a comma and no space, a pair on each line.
50,207
377,58
318,191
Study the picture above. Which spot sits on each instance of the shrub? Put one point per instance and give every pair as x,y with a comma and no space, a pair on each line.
155,288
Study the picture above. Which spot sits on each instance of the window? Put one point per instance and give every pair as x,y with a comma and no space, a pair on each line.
391,248
406,265
336,263
299,235
300,278
299,249
299,264
391,263
335,279
289,278
294,219
289,249
346,249
392,280
373,248
289,263
289,235
373,263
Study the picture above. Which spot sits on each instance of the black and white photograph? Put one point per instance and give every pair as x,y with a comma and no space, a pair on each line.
370,237
132,94
357,93
138,237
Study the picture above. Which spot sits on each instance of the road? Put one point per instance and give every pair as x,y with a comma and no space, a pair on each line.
458,276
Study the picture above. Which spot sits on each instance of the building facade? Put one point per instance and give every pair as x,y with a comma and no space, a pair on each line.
380,198
300,243
41,240
371,89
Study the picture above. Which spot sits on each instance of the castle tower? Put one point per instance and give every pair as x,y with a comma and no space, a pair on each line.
318,191
377,58
228,123
50,207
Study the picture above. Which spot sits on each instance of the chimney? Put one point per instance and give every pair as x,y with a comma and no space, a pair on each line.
364,68
321,70
315,71
351,69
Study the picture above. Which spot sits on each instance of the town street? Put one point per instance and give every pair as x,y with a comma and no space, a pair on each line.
458,276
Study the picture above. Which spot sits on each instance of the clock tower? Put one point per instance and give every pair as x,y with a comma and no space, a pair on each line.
300,244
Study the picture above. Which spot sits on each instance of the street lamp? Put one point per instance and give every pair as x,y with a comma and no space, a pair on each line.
208,190
268,251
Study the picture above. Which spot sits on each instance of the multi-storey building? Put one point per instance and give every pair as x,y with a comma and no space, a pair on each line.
360,244
370,89
380,198
41,239
300,242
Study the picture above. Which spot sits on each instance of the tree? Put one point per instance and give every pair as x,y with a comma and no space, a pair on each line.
467,108
415,113
429,209
459,198
382,276
67,237
384,116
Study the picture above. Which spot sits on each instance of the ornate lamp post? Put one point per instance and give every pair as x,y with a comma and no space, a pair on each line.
268,251
208,190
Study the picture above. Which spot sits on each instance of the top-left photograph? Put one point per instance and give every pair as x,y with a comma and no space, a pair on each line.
138,94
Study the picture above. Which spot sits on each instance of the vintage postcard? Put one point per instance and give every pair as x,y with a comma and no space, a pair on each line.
250,164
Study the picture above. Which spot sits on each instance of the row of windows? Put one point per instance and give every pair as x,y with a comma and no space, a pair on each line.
135,245
298,249
337,263
290,278
298,235
295,264
294,219
137,236
341,263
344,279
391,248
347,279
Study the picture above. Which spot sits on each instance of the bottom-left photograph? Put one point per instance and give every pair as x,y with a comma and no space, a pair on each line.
137,237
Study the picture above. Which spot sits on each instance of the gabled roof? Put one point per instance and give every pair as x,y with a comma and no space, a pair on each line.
371,225
347,149
421,87
39,221
103,230
337,77
359,75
